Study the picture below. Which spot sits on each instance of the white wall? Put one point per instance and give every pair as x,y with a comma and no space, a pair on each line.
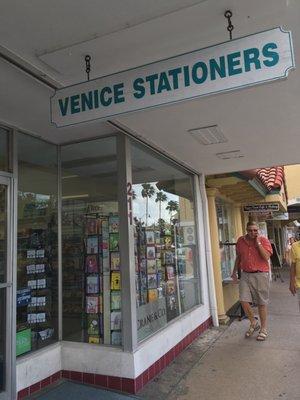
37,366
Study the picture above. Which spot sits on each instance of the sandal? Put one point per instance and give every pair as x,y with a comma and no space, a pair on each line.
252,329
262,336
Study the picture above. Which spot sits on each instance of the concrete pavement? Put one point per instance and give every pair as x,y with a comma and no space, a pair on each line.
223,365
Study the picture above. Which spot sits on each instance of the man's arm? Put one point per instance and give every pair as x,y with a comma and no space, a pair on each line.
265,254
293,279
235,269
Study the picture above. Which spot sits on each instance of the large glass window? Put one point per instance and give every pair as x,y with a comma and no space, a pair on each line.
90,240
37,277
167,281
4,150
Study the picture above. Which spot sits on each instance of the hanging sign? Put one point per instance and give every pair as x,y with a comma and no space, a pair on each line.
264,207
251,60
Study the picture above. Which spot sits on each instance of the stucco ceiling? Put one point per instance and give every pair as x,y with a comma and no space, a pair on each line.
53,37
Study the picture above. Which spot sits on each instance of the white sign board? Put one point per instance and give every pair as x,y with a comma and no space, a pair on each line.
251,60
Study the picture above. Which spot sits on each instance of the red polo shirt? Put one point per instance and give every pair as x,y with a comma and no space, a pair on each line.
250,258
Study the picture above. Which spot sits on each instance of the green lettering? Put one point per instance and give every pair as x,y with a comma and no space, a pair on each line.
272,55
233,61
105,101
86,101
139,88
75,104
119,93
151,79
63,105
174,74
163,83
219,68
251,56
202,66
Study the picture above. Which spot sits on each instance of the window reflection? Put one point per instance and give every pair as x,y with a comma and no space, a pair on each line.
167,282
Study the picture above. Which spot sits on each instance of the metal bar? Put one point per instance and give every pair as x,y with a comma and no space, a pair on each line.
27,71
14,261
129,312
59,238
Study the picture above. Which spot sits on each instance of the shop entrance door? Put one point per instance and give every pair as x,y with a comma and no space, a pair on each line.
5,290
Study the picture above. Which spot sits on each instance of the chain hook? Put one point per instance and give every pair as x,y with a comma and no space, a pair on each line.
230,27
87,59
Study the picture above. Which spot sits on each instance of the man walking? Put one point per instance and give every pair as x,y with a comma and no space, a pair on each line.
253,253
295,270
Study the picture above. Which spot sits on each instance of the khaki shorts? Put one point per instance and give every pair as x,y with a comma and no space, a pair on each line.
254,287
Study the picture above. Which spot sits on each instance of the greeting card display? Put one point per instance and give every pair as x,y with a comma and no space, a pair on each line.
150,239
92,245
113,223
93,324
94,339
115,300
91,227
115,281
114,241
92,284
115,320
115,261
116,338
152,281
152,295
151,266
91,264
92,304
151,252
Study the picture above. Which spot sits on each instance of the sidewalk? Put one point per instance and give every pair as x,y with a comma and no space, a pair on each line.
223,365
235,368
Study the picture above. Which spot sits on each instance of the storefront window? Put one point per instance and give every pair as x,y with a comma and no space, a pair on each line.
167,281
37,277
226,238
90,243
4,150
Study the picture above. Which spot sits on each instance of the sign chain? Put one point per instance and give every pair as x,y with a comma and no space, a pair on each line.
88,66
230,27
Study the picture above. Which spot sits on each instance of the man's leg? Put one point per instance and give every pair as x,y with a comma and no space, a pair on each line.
262,311
249,312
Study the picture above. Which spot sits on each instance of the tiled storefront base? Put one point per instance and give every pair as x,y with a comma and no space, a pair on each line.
117,383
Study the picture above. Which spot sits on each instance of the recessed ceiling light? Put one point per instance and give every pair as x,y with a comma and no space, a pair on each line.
227,155
208,135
